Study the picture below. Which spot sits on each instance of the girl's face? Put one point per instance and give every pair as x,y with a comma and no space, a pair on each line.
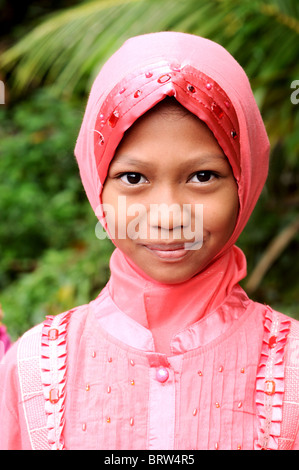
170,197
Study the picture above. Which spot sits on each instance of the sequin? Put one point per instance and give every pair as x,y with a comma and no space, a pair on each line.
239,447
148,74
109,359
272,342
217,404
191,88
216,446
93,354
108,389
87,387
199,373
208,86
53,334
217,110
227,104
233,134
242,370
240,404
54,396
122,90
164,78
269,387
112,121
84,427
132,382
137,93
132,362
131,421
194,412
220,369
108,419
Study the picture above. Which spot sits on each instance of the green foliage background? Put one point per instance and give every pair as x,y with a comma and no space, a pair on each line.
50,258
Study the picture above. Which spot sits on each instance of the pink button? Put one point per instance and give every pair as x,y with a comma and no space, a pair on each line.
162,375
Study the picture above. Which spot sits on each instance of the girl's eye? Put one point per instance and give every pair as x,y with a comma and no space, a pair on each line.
203,177
132,178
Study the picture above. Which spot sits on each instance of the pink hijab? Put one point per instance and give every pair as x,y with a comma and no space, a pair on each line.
207,81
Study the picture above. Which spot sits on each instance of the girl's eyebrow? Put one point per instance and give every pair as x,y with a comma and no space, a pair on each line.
128,160
198,160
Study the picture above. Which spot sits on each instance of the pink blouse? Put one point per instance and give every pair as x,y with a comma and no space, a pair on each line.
119,393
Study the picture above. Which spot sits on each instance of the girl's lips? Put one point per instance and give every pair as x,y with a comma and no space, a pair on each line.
168,252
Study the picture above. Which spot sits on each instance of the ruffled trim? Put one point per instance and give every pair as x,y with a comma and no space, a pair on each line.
53,374
270,380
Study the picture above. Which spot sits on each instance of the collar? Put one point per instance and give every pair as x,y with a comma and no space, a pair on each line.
172,319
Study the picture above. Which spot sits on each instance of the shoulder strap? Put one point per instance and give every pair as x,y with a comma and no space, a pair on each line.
32,396
53,373
42,376
290,410
270,381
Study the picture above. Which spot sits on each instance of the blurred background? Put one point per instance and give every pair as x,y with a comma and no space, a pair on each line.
50,52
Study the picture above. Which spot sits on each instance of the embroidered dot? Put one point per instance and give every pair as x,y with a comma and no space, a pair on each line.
191,88
84,427
164,78
131,421
194,412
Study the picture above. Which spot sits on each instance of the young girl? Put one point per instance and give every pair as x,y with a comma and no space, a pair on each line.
172,354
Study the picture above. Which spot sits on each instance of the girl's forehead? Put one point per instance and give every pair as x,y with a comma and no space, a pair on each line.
164,139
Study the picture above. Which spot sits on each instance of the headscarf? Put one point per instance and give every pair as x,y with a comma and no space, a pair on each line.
205,79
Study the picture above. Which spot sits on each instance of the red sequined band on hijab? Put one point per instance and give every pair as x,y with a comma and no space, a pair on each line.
139,92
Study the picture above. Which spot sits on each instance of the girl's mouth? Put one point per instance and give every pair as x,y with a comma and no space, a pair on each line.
168,252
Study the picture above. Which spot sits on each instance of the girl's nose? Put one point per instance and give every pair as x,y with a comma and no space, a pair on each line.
166,210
